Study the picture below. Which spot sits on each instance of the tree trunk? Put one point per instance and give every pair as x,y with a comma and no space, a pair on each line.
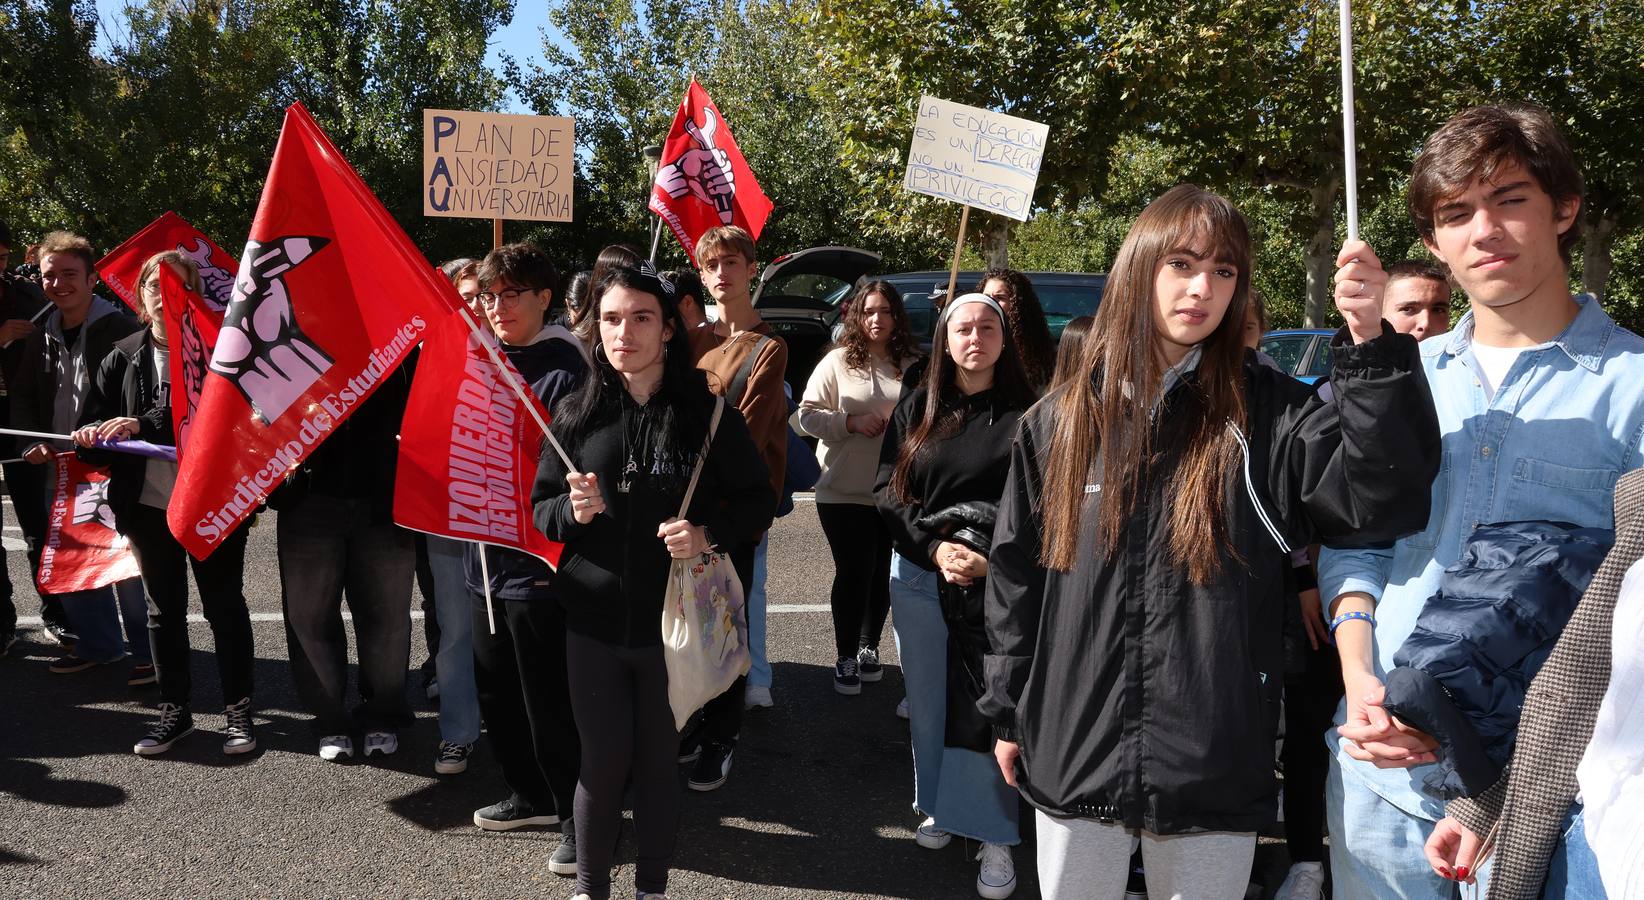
996,243
1320,255
1595,254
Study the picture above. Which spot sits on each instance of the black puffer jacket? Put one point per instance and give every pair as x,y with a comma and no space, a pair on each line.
1462,673
1139,697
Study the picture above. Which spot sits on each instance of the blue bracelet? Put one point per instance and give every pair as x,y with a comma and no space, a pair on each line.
1350,616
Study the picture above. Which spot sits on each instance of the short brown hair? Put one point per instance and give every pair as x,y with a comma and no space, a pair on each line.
68,242
724,239
1416,268
1476,143
523,264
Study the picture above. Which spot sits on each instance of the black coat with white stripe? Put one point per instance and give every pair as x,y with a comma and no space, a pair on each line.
1139,697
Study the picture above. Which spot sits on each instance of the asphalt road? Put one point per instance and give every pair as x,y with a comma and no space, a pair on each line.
818,804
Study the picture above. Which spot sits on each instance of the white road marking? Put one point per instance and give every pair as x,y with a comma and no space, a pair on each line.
197,619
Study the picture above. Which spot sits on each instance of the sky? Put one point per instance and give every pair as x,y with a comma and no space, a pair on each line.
521,39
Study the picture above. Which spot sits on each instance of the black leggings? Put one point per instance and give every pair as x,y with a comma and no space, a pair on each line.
1310,702
620,698
861,546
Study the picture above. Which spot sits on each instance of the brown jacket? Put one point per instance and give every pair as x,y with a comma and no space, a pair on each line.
764,404
1532,800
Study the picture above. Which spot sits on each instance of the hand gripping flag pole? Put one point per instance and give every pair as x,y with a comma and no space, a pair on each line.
1349,144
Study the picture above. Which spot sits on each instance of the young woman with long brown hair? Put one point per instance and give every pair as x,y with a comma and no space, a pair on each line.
947,449
1135,591
847,405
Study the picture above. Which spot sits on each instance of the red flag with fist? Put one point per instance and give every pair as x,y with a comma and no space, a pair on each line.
469,447
703,182
191,332
120,268
82,551
330,297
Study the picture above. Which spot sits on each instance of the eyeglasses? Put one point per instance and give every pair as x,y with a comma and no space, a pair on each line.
492,300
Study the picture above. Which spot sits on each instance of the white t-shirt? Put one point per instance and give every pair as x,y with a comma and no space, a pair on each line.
1493,363
1611,774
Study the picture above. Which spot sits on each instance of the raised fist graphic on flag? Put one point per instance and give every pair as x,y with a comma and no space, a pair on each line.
260,348
704,170
91,504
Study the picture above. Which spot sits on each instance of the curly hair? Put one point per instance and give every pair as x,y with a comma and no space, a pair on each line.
1026,322
855,337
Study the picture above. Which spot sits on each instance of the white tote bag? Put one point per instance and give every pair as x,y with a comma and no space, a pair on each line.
704,623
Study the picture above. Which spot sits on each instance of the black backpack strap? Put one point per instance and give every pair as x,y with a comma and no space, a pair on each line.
739,383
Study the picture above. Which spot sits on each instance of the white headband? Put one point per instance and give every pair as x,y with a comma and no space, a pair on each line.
963,299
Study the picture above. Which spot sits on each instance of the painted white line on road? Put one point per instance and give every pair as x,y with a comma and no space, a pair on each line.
197,619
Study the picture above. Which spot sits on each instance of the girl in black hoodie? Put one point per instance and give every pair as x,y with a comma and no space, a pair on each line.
636,429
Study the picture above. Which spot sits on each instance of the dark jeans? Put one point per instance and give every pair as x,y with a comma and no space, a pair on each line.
861,546
525,700
27,485
430,617
329,545
1310,701
621,700
219,577
722,716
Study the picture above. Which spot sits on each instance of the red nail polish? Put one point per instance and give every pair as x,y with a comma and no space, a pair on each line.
1461,873
1445,871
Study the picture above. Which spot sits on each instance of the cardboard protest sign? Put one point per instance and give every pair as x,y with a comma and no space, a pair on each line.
478,165
120,268
468,448
976,157
82,550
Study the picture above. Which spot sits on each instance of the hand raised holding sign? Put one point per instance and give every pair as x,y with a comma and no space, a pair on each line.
1360,283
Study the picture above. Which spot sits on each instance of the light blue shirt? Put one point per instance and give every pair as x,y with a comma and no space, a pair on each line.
1563,425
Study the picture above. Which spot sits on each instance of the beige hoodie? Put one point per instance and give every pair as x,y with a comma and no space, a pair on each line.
849,461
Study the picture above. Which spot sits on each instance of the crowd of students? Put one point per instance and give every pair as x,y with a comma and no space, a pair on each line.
1098,559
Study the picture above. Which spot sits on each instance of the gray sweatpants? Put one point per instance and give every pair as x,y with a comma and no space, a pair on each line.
1083,859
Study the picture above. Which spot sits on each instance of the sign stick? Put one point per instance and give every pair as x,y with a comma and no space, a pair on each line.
487,340
959,245
485,576
496,233
1349,144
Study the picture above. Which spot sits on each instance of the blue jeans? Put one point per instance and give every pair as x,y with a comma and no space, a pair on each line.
1572,873
961,789
96,616
759,673
454,658
1377,850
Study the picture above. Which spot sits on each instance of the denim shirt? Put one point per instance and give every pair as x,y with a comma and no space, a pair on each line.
1563,425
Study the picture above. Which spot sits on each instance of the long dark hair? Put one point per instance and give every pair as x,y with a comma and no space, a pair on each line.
1026,323
1123,370
855,337
677,413
583,319
944,411
1070,353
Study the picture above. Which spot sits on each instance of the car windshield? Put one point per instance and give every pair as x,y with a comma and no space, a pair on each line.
825,288
1062,303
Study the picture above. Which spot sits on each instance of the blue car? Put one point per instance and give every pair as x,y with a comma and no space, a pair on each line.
1303,352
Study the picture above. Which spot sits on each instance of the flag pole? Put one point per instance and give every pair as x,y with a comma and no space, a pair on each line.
485,577
959,245
486,340
1349,143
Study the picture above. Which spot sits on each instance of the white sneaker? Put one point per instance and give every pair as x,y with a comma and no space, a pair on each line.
757,695
452,758
336,747
930,837
1305,882
381,743
902,709
997,879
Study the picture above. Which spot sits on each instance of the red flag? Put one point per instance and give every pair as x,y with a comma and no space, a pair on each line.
468,448
82,550
191,332
120,268
703,181
330,297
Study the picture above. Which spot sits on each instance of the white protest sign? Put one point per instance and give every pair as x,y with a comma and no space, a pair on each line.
975,156
479,165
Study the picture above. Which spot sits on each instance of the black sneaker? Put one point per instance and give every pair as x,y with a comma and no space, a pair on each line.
846,680
6,644
175,722
690,748
867,665
510,814
712,768
564,860
239,736
60,634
